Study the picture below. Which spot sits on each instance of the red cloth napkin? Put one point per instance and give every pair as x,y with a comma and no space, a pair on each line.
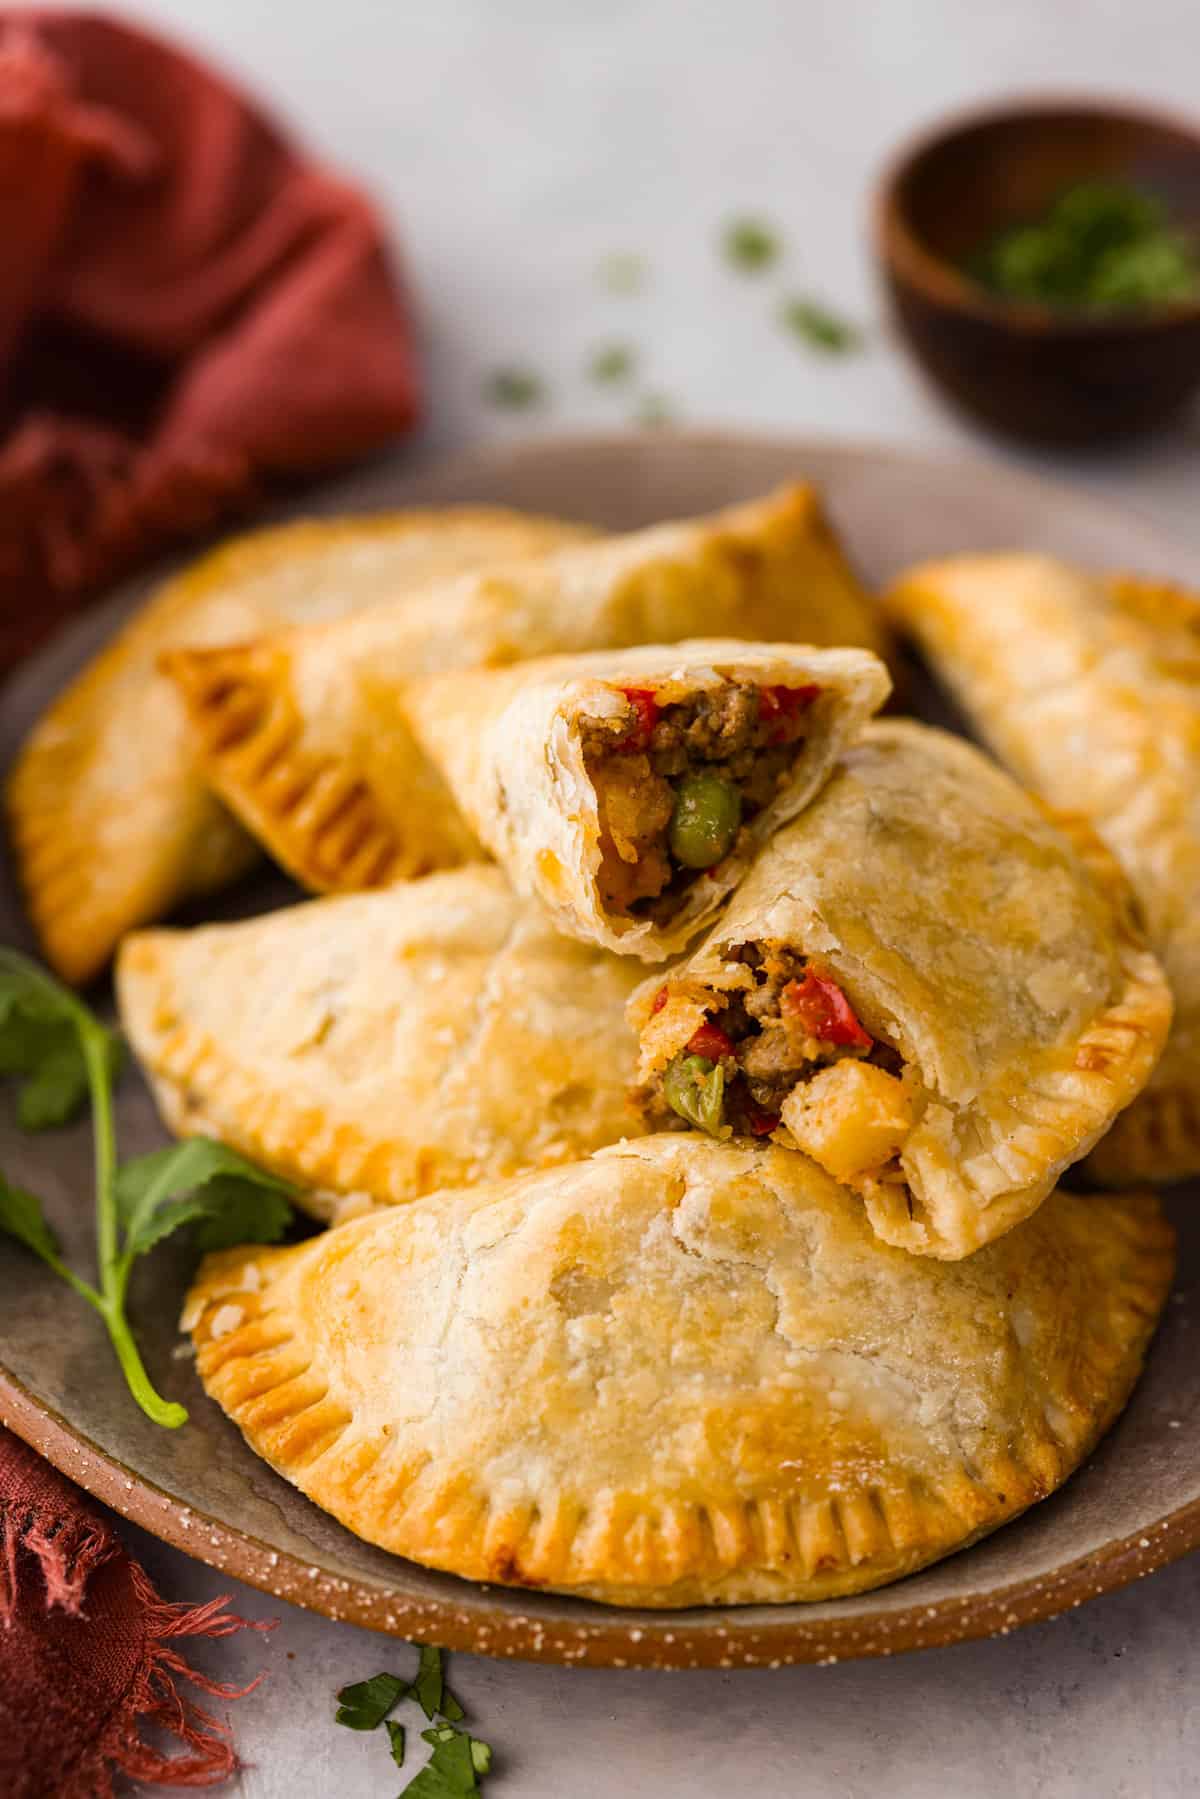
87,1656
190,310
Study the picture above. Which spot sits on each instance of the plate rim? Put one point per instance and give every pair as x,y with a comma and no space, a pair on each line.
606,1637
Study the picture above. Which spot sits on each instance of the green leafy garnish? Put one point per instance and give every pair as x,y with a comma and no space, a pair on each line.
816,325
612,363
453,1769
458,1760
749,244
62,1053
624,272
365,1705
1102,246
654,409
514,390
429,1689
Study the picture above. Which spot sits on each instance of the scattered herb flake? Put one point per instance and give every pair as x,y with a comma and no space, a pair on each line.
749,244
654,409
514,389
816,325
452,1770
396,1740
365,1705
624,272
612,363
430,1690
50,1039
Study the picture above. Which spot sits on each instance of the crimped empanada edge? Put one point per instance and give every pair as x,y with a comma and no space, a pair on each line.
630,1549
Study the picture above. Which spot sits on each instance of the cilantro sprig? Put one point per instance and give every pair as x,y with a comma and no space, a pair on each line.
458,1760
64,1057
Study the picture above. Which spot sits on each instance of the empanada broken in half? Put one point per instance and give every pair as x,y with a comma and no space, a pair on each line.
374,1046
305,734
925,985
112,823
679,1373
1088,687
629,789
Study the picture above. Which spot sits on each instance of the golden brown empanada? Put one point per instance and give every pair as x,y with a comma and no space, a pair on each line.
1088,686
714,1384
629,789
112,823
305,734
924,985
378,1045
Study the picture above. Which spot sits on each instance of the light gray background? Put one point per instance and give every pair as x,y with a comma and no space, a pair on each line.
513,144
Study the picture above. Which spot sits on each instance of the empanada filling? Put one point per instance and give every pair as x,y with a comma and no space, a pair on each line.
789,1050
676,785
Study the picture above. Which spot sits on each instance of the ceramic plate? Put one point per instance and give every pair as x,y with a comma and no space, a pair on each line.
1135,1506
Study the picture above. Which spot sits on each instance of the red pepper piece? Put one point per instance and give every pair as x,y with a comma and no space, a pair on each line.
710,1042
661,998
646,710
783,704
824,1011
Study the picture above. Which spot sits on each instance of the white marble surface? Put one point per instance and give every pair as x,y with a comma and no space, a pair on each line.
513,145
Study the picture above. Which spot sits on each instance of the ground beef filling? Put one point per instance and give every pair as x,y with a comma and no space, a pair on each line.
766,1041
676,785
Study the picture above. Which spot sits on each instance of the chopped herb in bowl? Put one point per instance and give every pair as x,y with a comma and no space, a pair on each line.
1103,246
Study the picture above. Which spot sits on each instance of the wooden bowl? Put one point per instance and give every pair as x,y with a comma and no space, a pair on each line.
1023,369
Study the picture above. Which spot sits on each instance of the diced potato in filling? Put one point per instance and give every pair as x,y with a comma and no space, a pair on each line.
789,1048
676,785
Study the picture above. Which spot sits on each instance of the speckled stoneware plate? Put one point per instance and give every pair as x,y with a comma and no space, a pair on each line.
1135,1506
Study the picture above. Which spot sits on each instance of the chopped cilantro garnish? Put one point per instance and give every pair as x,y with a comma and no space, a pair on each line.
817,325
1101,246
514,389
365,1705
749,244
429,1688
623,272
63,1054
612,363
396,1741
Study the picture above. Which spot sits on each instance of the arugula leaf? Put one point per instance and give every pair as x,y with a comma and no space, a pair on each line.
817,325
429,1688
396,1739
199,1179
365,1705
452,1770
22,1217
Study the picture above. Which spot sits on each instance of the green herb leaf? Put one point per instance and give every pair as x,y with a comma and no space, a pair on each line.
623,272
654,409
514,390
365,1705
430,1689
749,245
612,363
396,1739
452,1770
40,1041
22,1217
817,325
199,1179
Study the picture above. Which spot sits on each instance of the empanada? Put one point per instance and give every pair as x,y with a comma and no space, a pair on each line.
925,985
112,824
678,1373
1088,686
305,734
373,1046
629,789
